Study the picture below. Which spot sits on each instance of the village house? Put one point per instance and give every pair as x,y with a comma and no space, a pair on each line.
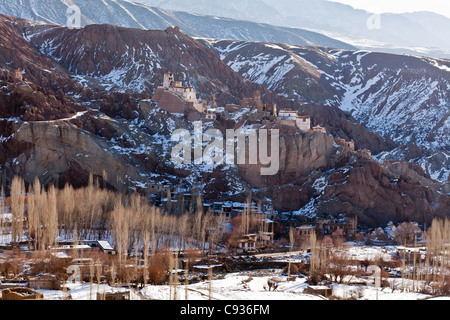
44,282
102,245
68,247
254,242
220,208
246,244
305,230
113,296
330,226
346,144
159,188
320,290
239,208
319,129
291,118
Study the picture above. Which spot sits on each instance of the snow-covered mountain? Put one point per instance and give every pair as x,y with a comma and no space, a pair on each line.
138,15
404,97
125,59
423,33
60,131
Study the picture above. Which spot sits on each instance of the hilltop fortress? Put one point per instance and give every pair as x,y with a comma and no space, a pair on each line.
173,97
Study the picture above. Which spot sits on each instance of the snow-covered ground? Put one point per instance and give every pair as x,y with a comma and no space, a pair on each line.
242,286
235,286
253,284
85,291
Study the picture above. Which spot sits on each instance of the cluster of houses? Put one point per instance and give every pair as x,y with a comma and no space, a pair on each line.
175,98
64,250
271,219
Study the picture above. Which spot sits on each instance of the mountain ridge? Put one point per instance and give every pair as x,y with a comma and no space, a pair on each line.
416,33
137,15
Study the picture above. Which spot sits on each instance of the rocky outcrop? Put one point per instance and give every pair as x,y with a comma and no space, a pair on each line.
25,101
16,53
376,196
299,155
58,152
416,173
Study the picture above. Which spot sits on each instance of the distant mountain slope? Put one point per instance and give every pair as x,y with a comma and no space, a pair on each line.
135,15
422,33
405,97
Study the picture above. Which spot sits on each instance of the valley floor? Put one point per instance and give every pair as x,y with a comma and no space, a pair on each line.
253,285
239,286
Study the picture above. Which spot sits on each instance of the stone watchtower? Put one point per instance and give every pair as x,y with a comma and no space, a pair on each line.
18,75
168,79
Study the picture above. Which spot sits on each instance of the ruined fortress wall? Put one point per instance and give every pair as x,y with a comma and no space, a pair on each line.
169,101
304,124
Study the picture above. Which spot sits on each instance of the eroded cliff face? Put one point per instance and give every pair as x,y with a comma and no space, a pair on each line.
316,176
378,195
299,155
59,152
363,188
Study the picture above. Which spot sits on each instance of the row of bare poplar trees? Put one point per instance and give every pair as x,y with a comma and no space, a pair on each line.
41,216
424,265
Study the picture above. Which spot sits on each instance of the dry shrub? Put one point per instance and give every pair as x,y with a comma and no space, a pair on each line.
11,267
294,269
315,278
338,268
271,285
126,274
441,288
158,269
55,266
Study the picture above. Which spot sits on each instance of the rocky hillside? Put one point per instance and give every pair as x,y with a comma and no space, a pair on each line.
66,115
123,59
403,97
18,53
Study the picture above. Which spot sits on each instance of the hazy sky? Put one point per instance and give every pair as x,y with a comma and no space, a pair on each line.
399,6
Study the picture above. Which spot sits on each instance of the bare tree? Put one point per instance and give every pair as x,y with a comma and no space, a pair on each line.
17,208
